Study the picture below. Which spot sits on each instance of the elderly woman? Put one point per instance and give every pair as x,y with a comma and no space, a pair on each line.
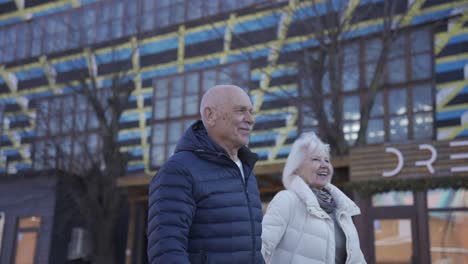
310,221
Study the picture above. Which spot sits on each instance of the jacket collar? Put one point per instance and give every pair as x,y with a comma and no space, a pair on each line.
303,191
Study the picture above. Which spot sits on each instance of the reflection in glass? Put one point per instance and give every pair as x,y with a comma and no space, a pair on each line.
393,198
422,98
398,128
398,99
351,107
422,125
447,198
157,155
393,241
375,131
448,233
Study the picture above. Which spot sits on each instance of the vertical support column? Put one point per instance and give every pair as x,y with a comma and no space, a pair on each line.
365,226
422,223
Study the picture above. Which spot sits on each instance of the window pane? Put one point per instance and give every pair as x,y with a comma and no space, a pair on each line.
398,128
175,131
178,13
398,102
420,41
30,222
157,155
159,134
421,66
373,49
162,17
351,54
191,105
422,125
350,130
350,78
447,198
175,107
161,88
192,83
393,198
351,108
397,71
422,98
375,131
378,107
160,109
397,49
448,233
25,247
209,79
177,86
393,241
195,7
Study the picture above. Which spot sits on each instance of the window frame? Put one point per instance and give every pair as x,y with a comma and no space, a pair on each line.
386,87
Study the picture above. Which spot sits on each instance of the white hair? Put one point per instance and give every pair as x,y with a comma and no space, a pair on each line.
307,143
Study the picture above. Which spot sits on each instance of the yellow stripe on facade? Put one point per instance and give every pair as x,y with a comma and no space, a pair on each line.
456,90
181,49
414,10
442,39
228,38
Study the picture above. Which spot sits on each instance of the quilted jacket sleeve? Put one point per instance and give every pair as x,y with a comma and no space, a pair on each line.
171,208
275,222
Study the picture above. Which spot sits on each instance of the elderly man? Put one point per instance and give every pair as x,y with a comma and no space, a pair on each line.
204,203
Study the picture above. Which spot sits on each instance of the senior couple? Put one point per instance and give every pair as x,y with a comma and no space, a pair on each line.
204,202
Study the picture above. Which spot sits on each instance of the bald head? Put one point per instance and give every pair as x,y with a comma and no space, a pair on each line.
218,96
226,113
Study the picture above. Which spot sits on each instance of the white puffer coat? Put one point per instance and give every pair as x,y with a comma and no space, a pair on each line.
296,230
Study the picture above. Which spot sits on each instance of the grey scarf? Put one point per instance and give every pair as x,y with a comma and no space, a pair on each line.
325,199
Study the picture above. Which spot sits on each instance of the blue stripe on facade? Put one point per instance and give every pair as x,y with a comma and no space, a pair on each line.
433,16
9,21
30,74
450,66
256,24
458,39
201,64
158,73
113,56
159,46
201,36
49,11
441,115
70,65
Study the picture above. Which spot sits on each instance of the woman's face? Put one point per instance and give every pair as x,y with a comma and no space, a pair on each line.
316,170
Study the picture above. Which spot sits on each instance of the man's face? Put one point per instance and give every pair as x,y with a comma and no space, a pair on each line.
234,121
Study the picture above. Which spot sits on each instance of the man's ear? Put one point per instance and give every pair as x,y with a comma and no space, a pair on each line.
210,115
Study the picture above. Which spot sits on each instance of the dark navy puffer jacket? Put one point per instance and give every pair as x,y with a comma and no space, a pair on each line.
200,209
